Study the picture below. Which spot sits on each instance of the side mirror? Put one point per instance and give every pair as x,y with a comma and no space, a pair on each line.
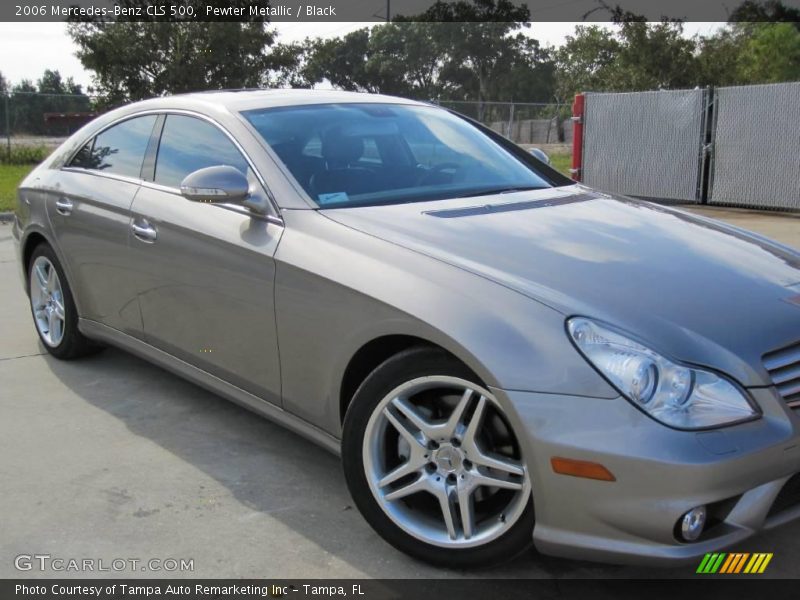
217,185
540,154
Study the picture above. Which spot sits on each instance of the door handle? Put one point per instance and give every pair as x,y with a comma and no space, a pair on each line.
145,232
64,206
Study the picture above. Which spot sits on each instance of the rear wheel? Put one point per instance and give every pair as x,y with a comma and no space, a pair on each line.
433,464
53,307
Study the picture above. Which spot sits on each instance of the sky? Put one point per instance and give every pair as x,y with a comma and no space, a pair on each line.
27,49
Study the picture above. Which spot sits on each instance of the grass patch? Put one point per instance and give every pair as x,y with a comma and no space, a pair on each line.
23,155
562,163
10,178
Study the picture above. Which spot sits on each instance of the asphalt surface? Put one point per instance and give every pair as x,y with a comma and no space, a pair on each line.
112,458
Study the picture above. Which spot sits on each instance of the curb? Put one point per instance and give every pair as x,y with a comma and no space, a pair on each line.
6,217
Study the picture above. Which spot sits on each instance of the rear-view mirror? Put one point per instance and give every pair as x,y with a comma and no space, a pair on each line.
219,184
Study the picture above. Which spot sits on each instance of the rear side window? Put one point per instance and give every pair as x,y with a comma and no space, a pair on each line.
188,144
119,149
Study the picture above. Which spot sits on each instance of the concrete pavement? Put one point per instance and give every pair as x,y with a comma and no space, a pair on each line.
112,458
784,227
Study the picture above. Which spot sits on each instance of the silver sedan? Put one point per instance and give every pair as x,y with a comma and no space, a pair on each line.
501,356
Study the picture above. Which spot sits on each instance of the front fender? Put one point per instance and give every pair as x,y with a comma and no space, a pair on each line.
338,289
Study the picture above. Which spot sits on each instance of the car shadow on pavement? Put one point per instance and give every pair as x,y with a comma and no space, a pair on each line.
271,470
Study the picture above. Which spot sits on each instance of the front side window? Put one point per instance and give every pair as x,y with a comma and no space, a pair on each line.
188,144
367,154
119,149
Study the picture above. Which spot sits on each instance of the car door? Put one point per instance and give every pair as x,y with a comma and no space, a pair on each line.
206,272
89,209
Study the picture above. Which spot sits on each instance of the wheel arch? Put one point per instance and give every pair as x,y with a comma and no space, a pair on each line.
376,351
29,244
34,237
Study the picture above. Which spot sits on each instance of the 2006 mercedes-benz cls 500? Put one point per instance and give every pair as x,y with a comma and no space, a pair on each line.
501,356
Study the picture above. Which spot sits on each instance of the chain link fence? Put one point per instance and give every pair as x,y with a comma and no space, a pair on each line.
730,146
645,143
526,123
35,120
756,151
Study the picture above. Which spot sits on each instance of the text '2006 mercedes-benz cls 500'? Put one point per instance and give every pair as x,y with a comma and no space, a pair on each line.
501,356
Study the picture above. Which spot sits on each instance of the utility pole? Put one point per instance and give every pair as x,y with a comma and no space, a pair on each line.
8,125
388,16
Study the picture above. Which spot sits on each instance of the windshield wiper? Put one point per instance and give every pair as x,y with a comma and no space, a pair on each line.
502,190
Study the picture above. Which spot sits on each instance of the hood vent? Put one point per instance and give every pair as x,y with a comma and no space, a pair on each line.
489,209
784,370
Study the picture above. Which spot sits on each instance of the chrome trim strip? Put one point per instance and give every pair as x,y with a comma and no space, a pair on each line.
122,119
176,111
114,176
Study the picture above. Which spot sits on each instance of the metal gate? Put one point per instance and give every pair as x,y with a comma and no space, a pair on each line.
756,159
646,144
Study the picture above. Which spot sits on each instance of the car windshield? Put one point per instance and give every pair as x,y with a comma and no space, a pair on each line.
369,154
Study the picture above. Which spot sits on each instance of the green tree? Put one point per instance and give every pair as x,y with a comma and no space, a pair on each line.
342,61
586,61
530,73
750,53
485,56
402,58
26,86
29,104
636,56
286,71
51,82
481,59
463,11
134,60
771,54
752,11
3,104
759,45
654,56
430,60
455,50
407,60
718,58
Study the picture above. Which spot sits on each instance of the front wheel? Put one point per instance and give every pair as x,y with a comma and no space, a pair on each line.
433,464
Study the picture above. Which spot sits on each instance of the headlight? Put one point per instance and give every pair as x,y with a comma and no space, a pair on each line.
673,394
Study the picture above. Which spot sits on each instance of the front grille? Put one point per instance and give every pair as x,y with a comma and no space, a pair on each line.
784,369
788,497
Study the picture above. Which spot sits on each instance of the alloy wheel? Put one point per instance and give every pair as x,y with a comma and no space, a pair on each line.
444,464
47,301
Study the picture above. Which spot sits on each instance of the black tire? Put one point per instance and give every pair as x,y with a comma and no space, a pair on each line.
407,365
73,344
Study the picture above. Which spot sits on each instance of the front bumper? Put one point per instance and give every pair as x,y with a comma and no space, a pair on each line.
660,474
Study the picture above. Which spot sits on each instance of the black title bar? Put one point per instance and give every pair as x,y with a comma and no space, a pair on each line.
359,10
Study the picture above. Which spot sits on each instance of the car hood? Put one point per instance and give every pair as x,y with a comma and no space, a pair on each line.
692,288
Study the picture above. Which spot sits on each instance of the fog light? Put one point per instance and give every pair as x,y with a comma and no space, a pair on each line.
692,523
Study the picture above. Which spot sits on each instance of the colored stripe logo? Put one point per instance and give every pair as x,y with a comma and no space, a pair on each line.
734,563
